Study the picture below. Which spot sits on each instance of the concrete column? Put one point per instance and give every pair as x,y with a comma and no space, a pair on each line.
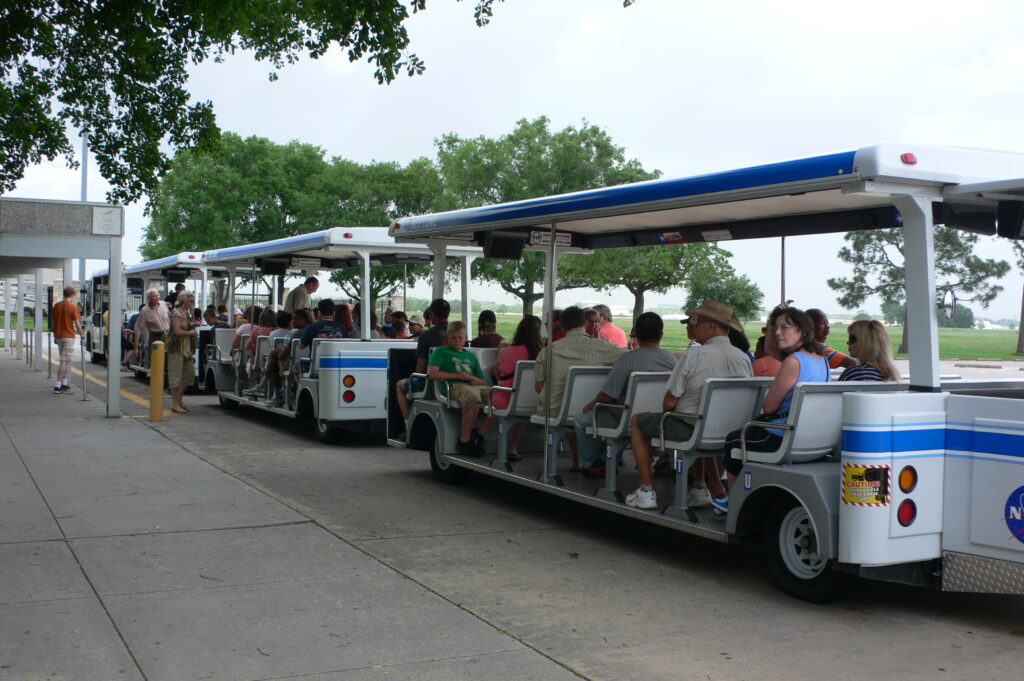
116,297
9,307
22,301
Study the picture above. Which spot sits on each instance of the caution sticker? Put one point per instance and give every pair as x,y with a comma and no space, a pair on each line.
865,484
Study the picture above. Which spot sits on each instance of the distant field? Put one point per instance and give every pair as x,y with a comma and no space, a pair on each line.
953,343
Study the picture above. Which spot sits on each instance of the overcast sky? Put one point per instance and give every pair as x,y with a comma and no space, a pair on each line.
685,87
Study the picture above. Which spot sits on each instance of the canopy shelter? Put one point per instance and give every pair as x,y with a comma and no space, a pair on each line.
171,269
880,186
36,234
339,248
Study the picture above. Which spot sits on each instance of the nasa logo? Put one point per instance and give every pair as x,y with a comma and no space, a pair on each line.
1014,515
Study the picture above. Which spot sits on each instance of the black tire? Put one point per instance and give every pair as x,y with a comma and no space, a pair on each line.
141,375
443,470
325,432
230,405
97,358
210,384
793,559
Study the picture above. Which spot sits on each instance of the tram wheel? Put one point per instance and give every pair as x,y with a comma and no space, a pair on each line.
442,469
230,405
794,561
325,432
97,358
210,384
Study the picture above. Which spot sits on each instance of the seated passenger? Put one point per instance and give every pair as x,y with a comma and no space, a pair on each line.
438,311
576,349
398,329
835,358
343,315
714,357
526,343
869,343
324,326
556,331
245,324
591,322
794,334
607,329
460,367
264,327
648,356
764,364
739,339
416,323
357,320
487,323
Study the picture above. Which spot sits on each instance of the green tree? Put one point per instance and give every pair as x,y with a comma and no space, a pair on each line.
700,268
963,318
119,71
528,162
877,259
736,290
1018,249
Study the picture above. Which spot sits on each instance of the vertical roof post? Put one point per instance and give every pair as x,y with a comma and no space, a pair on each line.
919,262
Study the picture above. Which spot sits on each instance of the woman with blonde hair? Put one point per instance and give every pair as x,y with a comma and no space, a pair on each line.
869,343
181,346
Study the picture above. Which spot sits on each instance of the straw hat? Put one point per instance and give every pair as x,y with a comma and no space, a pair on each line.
416,319
720,312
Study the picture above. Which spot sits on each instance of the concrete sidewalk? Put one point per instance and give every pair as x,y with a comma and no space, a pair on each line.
123,556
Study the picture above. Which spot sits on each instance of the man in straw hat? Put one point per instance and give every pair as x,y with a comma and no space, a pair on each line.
715,357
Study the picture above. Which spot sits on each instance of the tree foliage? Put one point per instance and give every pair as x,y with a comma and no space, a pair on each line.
528,162
963,316
736,290
877,257
119,71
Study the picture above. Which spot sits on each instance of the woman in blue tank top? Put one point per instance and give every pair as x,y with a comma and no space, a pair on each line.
794,335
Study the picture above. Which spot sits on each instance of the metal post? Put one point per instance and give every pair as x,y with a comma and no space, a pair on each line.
783,259
37,341
85,376
22,299
275,284
231,296
919,260
440,252
28,347
115,296
365,300
550,474
9,302
467,302
156,382
49,355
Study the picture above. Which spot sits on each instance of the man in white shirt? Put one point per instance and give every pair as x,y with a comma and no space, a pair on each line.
299,297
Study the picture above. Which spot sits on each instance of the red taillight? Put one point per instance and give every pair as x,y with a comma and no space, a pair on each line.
909,159
348,395
348,235
906,513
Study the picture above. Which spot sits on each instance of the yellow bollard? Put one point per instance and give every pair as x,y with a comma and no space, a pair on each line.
156,382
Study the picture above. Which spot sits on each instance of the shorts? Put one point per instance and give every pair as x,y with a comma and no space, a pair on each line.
759,439
180,371
67,348
467,395
416,384
676,430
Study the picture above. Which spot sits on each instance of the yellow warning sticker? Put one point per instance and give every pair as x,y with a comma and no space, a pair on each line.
865,485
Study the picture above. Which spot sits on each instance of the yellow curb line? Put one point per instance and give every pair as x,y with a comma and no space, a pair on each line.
124,393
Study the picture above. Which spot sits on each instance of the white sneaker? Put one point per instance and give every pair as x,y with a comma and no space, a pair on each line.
642,499
698,497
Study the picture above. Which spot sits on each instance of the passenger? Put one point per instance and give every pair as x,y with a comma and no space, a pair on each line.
870,344
649,356
324,326
836,359
245,325
173,295
299,297
266,324
279,362
222,313
557,332
764,364
465,379
794,334
739,338
343,315
181,347
438,311
607,328
211,318
526,343
398,329
153,320
416,323
487,323
715,357
576,349
592,322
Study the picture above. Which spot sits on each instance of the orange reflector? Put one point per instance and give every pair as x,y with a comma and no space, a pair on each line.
348,396
907,512
349,381
908,479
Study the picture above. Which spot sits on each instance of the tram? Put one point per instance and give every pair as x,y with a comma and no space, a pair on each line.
337,384
920,482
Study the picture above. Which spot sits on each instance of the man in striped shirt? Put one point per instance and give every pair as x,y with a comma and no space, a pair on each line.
835,358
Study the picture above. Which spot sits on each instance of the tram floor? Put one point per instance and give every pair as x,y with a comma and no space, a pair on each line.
604,595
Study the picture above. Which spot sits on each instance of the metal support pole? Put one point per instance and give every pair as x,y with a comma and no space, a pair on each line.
37,341
550,474
85,376
467,301
365,301
231,296
49,355
919,248
22,299
9,303
783,275
115,295
156,382
28,347
440,252
275,284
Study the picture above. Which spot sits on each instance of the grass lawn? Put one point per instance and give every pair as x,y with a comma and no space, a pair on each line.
953,343
30,323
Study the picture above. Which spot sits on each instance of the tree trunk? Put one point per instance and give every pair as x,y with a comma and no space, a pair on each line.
638,305
906,334
1020,327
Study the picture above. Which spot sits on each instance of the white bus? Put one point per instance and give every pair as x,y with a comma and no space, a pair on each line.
919,482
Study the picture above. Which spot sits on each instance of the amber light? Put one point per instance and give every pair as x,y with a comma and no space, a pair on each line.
908,479
348,396
907,512
349,381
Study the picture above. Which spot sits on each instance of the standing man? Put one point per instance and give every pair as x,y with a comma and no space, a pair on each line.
154,319
299,297
607,328
67,325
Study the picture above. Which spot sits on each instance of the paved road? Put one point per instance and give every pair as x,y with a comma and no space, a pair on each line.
602,596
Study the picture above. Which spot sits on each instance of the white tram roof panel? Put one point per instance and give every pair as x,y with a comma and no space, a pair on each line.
836,192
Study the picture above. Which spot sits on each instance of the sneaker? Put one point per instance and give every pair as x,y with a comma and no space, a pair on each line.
254,392
58,390
698,497
720,506
594,472
469,448
475,436
641,498
276,402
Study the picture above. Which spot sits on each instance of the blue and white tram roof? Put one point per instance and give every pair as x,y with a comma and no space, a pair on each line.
839,192
187,261
333,248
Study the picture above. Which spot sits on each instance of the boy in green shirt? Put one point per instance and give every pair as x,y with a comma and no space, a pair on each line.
454,363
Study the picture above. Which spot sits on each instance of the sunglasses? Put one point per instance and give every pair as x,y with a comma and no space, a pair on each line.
853,339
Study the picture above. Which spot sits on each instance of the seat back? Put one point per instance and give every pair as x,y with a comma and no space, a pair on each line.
243,350
222,344
262,349
487,357
645,392
581,385
523,401
728,404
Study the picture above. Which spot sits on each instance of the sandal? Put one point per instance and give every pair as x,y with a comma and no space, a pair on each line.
178,410
513,456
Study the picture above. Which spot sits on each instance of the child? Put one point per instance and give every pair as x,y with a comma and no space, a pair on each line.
454,363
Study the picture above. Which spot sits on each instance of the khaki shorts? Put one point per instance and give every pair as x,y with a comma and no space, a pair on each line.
676,430
67,348
180,371
467,395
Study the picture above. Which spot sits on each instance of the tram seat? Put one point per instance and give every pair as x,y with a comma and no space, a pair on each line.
259,359
487,357
522,402
810,438
240,358
726,404
581,385
220,349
